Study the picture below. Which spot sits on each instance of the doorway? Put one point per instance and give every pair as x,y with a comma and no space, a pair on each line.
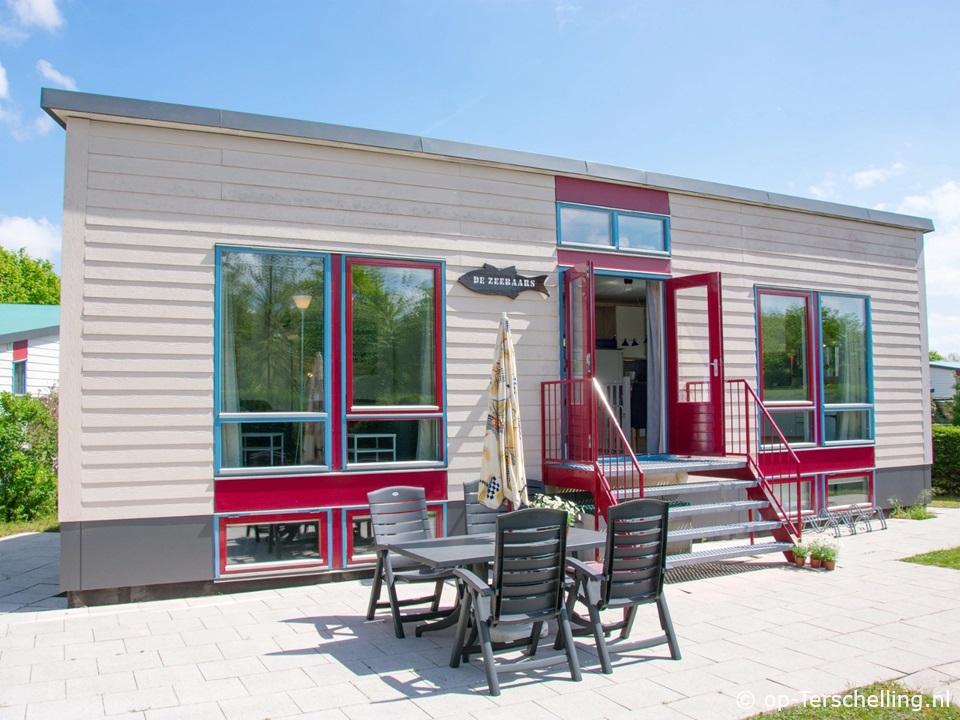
629,355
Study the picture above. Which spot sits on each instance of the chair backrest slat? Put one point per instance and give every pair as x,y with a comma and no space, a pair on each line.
480,518
635,559
399,514
529,563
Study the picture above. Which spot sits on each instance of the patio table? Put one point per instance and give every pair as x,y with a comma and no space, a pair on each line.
474,552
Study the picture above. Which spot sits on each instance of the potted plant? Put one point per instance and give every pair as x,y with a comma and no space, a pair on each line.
800,553
822,552
558,503
828,556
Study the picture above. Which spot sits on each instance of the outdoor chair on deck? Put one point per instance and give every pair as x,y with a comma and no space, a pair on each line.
399,514
480,518
527,588
631,575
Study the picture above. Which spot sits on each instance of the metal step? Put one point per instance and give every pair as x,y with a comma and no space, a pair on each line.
725,553
708,508
717,530
683,488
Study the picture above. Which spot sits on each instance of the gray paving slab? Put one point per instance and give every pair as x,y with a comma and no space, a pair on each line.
765,636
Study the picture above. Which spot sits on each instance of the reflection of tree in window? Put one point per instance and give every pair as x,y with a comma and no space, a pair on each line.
783,327
262,328
843,322
393,336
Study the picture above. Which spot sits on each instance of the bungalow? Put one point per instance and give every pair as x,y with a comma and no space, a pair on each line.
264,319
944,375
29,348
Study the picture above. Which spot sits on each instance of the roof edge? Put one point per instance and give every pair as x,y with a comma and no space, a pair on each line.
60,104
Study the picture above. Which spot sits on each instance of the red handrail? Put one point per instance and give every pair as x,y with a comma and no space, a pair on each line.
580,430
766,450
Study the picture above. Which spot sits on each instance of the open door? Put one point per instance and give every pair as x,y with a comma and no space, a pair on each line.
579,330
695,386
579,334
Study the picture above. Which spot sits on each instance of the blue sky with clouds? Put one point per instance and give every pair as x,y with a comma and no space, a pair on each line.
855,102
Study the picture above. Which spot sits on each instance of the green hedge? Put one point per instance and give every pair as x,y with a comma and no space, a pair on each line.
946,460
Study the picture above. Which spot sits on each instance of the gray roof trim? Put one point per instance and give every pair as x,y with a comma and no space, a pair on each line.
945,364
60,104
31,334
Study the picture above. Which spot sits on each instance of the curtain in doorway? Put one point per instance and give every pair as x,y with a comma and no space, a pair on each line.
656,442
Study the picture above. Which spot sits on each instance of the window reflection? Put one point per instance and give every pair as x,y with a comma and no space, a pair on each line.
269,543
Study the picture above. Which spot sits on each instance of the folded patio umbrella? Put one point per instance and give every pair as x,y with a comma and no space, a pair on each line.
502,474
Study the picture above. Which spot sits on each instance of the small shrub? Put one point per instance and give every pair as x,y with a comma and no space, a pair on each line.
28,457
917,511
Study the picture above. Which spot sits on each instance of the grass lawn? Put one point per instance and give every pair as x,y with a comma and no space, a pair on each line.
50,524
873,702
948,501
949,558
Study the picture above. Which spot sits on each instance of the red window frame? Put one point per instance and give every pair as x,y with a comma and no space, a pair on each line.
350,558
438,295
322,518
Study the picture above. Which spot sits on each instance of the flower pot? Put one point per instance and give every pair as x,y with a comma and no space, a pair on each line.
829,564
800,560
814,562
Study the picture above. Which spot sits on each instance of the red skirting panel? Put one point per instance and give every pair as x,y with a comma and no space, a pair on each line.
314,491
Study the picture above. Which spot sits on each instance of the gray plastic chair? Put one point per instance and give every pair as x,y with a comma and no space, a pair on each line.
480,518
631,575
527,589
399,514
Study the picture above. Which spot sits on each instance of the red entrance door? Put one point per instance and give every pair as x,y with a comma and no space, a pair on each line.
694,339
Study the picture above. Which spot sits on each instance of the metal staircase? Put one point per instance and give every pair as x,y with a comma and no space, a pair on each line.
585,450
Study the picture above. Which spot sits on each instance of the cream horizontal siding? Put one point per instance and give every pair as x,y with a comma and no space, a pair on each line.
6,367
158,201
43,364
761,246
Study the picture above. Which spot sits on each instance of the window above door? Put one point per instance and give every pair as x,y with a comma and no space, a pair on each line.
625,231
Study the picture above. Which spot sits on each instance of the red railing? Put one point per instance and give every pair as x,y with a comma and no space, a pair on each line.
583,441
752,432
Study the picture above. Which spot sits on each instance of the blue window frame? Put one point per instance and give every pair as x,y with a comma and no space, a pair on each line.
313,378
815,365
621,230
19,377
272,359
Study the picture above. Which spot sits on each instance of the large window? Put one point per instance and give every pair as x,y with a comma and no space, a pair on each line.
786,385
616,229
272,396
846,378
815,365
284,403
394,380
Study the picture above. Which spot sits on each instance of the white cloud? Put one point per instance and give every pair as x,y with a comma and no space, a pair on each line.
825,190
55,76
565,12
40,13
4,84
40,238
868,178
942,261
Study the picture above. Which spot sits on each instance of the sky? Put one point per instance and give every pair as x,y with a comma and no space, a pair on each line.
850,101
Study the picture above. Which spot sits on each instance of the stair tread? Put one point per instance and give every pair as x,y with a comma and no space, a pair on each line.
731,528
706,508
681,488
726,553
